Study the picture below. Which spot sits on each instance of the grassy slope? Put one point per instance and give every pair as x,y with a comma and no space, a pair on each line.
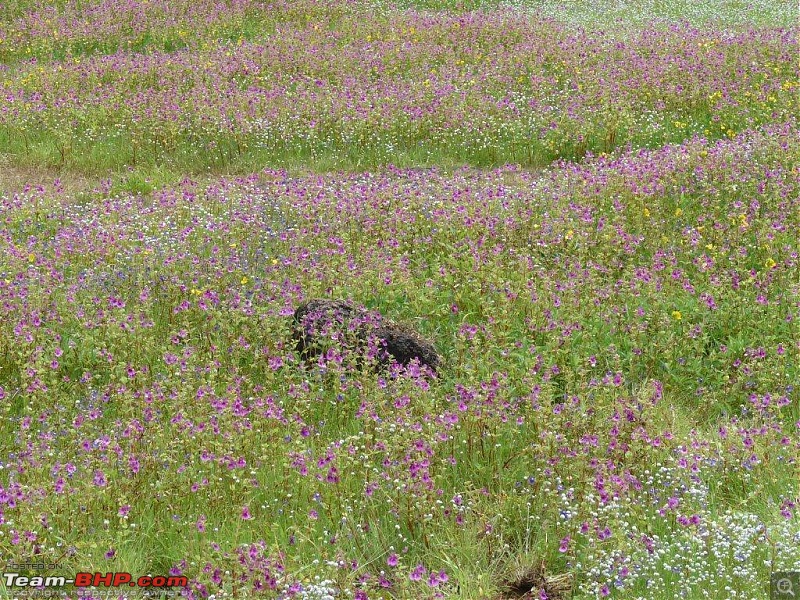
287,87
470,260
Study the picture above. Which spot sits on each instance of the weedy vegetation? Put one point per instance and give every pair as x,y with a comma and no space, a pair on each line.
590,210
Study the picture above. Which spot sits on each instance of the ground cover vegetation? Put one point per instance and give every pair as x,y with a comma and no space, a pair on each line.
592,213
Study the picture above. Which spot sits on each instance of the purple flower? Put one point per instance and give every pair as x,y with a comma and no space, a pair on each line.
418,573
99,478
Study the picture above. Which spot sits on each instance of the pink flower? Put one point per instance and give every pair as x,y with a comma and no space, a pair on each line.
99,479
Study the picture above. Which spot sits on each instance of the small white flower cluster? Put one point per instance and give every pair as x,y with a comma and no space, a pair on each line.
686,550
627,15
319,590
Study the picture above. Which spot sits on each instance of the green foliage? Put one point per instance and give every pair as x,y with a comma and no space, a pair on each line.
618,405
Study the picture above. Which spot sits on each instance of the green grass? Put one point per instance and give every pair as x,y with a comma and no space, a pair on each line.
302,129
576,362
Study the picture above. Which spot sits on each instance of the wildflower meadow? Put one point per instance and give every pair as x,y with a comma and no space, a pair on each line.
590,209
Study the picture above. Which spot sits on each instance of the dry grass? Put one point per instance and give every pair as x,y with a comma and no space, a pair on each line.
527,583
13,178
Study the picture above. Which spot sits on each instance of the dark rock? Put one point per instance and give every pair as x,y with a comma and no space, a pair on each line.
318,321
405,344
322,324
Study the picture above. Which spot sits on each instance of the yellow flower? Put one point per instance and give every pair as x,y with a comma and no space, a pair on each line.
244,280
646,212
676,314
770,263
678,212
31,257
274,261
